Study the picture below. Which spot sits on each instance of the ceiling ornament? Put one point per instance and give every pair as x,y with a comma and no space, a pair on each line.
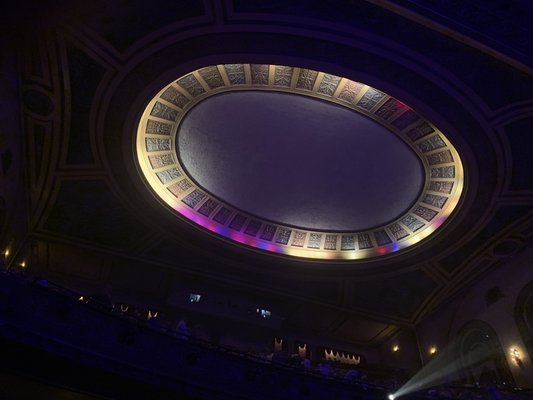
163,170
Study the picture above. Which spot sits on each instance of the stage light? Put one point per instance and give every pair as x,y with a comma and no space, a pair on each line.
391,397
432,350
396,348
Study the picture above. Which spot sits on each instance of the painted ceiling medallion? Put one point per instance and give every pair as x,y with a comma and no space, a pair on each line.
190,161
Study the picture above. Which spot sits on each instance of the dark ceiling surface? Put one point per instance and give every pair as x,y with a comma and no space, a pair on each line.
79,79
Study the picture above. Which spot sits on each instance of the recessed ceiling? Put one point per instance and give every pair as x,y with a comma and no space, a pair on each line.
297,162
300,161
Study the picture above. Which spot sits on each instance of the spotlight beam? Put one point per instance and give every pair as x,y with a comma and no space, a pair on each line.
441,368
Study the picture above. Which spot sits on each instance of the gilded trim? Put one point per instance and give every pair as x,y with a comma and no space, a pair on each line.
156,155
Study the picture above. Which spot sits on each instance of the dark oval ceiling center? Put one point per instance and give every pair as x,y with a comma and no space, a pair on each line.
298,160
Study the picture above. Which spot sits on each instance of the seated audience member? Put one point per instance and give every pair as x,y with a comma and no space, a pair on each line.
154,322
324,368
352,375
182,329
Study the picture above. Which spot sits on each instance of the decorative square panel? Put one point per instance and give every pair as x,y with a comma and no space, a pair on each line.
443,187
237,222
382,238
283,235
329,84
191,85
432,143
443,172
175,97
348,242
435,200
315,240
397,231
208,207
253,227
306,79
168,175
194,198
268,232
425,213
370,99
298,239
211,76
283,76
412,223
420,131
364,241
389,108
158,128
350,91
259,74
235,73
222,215
407,118
331,242
156,144
161,160
442,157
180,187
162,111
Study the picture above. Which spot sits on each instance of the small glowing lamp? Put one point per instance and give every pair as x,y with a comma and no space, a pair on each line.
23,264
395,348
80,298
6,252
391,397
515,355
432,350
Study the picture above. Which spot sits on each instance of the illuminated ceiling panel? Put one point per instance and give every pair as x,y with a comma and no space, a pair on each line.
387,178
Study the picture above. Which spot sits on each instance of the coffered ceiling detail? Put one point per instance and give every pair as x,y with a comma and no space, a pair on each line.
159,159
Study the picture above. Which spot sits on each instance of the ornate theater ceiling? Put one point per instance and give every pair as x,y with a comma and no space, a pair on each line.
388,201
102,99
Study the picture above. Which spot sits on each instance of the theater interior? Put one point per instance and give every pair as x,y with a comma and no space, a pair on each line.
284,199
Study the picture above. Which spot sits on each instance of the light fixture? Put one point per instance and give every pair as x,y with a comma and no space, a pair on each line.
391,397
160,159
515,355
23,264
264,313
6,253
395,348
432,350
194,297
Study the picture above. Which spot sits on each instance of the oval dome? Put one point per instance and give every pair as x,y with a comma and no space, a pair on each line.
297,162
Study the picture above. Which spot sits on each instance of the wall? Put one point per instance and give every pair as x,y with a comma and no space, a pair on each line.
406,357
471,304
